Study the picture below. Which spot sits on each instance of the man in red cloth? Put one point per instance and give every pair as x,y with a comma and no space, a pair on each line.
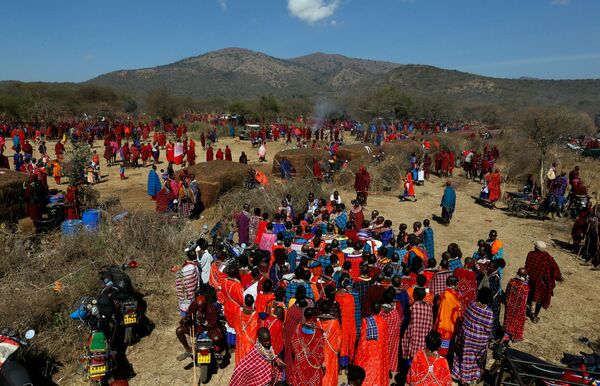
543,275
515,312
228,153
307,344
209,154
261,366
362,181
220,154
59,150
372,352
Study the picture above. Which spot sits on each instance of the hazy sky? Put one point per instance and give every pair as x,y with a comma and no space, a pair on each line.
75,40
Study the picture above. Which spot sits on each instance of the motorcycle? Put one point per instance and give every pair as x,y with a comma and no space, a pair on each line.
119,287
11,372
577,203
205,357
97,363
516,367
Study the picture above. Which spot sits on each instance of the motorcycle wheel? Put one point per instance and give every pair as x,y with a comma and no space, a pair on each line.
128,336
204,374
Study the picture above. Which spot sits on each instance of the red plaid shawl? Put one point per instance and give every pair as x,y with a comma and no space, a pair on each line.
543,273
421,322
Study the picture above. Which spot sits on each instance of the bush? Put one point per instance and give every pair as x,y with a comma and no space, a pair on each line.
31,266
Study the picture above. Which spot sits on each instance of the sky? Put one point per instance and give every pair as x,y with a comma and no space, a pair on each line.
76,40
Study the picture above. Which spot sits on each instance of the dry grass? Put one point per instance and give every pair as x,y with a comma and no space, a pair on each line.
31,266
268,199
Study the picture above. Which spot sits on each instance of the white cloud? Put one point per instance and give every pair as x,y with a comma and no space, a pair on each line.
223,4
560,2
312,11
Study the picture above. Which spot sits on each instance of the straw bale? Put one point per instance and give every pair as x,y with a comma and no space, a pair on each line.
355,151
217,177
301,159
11,193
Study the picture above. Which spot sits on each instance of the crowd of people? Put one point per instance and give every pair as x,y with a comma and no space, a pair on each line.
321,289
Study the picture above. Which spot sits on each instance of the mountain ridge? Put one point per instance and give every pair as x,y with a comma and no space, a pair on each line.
239,73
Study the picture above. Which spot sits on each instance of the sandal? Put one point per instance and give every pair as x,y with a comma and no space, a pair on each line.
535,319
184,356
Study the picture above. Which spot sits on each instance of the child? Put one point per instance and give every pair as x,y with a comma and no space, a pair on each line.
56,172
122,171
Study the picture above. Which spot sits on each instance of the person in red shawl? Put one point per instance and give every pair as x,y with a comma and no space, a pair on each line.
445,163
362,181
274,323
515,312
372,351
467,282
543,275
347,309
332,333
202,316
421,322
220,155
245,324
203,140
428,368
261,366
316,169
307,346
394,319
209,154
228,153
493,180
191,155
59,150
170,152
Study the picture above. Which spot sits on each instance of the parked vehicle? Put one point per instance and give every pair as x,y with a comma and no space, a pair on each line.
12,373
513,367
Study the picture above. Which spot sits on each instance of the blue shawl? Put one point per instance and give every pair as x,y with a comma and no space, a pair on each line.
154,184
449,198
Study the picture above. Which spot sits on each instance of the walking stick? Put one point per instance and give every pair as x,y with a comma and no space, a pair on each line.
584,239
193,351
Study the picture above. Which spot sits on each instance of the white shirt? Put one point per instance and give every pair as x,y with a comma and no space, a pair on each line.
338,201
204,265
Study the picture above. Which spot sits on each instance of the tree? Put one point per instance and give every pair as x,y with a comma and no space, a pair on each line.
130,106
161,103
267,107
386,102
548,127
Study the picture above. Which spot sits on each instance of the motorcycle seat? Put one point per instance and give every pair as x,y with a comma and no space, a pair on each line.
527,363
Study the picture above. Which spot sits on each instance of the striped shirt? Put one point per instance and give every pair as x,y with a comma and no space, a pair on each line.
186,282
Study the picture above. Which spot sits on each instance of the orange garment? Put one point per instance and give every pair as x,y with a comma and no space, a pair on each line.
246,330
233,295
372,355
216,280
428,371
332,332
340,255
448,314
428,295
346,302
262,178
56,172
262,299
496,246
418,252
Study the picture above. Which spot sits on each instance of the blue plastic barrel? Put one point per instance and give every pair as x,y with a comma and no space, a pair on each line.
71,227
91,219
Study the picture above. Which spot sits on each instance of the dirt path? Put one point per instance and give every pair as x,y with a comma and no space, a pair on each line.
573,312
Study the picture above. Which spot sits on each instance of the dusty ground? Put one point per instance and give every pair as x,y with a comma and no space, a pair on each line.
573,312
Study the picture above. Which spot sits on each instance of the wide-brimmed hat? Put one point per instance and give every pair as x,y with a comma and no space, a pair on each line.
540,245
